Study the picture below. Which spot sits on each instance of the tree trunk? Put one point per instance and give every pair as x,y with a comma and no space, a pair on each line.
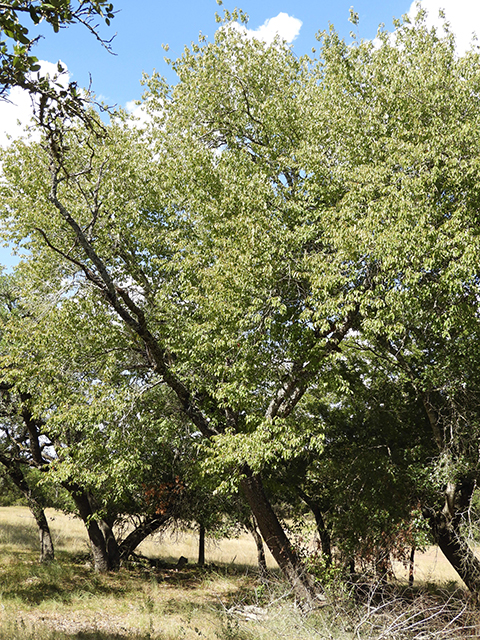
98,544
47,553
15,473
201,545
323,532
262,562
459,554
113,551
276,539
138,535
446,530
411,567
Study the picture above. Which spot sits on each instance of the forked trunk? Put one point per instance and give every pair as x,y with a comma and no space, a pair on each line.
276,539
98,543
446,529
113,551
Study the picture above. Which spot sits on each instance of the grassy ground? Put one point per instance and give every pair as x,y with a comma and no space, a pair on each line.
225,601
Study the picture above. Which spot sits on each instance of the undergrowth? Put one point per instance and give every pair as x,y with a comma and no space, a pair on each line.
66,600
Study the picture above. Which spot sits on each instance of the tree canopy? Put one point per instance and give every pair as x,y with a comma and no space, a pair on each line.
289,247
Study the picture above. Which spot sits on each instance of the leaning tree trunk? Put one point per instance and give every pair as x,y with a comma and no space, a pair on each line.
15,473
446,529
138,535
275,537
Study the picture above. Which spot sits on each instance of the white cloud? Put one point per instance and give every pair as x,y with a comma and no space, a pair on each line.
15,115
285,26
463,16
16,112
137,110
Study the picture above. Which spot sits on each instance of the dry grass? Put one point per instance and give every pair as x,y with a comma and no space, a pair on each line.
18,531
67,600
431,566
68,596
170,545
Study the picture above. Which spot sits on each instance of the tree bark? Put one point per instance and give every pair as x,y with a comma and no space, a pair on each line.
411,567
138,535
458,553
276,539
15,473
201,546
47,553
98,543
113,551
262,562
447,533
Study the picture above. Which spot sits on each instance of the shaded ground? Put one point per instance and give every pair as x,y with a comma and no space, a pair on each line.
66,600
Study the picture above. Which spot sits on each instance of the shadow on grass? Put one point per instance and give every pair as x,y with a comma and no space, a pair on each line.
22,535
14,632
23,578
98,635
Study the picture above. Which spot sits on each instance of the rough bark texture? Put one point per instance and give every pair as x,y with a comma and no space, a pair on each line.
276,539
446,529
113,551
138,535
98,543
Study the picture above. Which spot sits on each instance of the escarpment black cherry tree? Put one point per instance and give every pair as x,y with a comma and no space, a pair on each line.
271,206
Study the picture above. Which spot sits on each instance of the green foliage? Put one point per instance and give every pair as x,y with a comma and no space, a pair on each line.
9,494
277,273
17,63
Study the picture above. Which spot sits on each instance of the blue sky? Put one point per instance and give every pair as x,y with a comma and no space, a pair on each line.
142,26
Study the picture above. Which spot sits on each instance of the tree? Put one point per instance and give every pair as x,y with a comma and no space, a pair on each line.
158,304
412,197
82,414
17,62
367,486
20,68
271,209
20,446
56,417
